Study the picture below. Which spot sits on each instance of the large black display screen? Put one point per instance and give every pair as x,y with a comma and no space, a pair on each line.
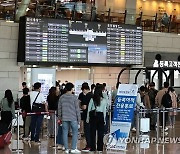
80,42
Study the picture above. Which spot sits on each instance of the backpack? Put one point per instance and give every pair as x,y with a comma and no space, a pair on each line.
166,100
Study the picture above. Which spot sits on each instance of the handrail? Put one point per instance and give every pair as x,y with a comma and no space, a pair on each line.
108,12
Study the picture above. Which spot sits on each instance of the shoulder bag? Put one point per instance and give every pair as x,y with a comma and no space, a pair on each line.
38,107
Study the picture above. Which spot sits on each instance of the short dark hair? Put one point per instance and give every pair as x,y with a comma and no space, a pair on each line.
142,88
85,87
24,84
37,85
85,84
166,84
25,91
171,89
152,84
69,86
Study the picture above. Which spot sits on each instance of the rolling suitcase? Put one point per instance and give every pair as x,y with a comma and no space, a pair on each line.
144,123
5,135
5,139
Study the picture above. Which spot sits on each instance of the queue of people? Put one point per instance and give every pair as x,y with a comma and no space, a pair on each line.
91,107
150,98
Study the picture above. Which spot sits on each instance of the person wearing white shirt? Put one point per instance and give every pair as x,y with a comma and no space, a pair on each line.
36,120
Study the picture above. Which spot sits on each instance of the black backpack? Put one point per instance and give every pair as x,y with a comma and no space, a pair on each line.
166,100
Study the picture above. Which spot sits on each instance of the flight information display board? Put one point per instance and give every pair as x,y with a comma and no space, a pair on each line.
80,42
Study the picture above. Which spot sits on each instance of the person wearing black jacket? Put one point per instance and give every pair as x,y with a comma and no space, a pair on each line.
87,95
26,108
52,100
152,92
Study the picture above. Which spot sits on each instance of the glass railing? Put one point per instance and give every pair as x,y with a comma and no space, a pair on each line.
88,12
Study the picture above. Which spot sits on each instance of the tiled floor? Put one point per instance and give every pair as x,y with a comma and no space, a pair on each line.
46,146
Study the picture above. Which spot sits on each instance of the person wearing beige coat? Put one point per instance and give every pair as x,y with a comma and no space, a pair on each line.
174,105
158,100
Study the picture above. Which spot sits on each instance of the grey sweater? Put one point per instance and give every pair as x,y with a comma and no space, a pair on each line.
68,108
4,106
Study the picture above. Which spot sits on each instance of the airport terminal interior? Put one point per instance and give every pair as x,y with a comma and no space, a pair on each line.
123,48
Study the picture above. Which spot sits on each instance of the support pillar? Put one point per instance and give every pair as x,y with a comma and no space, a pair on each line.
160,79
171,78
131,12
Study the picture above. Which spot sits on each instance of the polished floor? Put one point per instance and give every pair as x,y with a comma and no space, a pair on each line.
47,144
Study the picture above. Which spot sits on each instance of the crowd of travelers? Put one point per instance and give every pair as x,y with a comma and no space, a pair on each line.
150,98
90,111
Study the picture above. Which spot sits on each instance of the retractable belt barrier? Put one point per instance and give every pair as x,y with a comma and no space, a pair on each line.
138,111
34,113
157,111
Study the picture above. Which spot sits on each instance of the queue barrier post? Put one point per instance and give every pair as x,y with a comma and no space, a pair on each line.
55,128
137,123
163,127
157,134
18,114
110,119
160,116
18,135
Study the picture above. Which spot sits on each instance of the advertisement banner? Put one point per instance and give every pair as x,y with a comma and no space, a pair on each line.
122,117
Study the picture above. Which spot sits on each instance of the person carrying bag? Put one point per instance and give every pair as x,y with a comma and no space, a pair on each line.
38,104
96,117
37,107
7,108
